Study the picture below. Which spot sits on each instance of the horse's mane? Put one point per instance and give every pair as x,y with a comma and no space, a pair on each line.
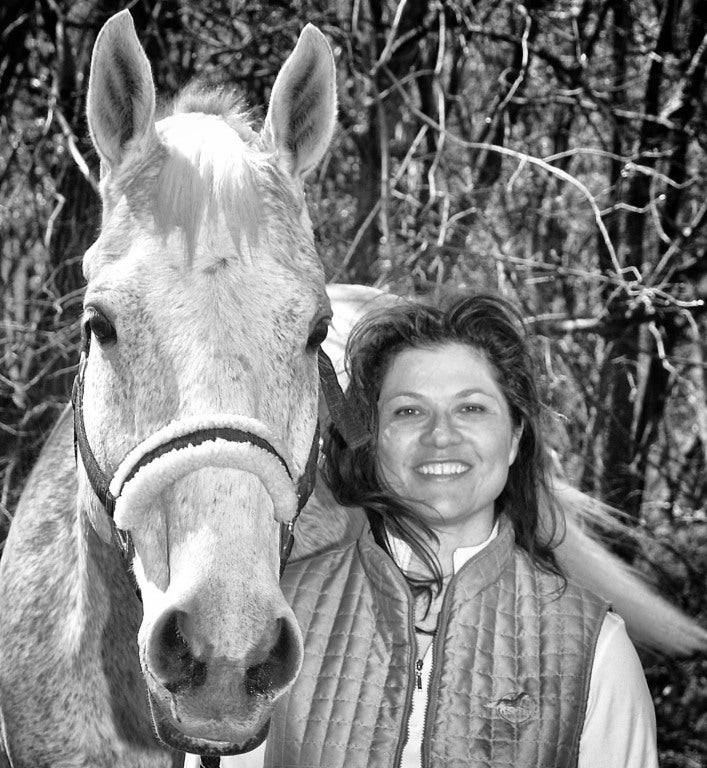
215,100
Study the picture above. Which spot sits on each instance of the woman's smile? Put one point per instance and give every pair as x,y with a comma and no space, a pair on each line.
442,469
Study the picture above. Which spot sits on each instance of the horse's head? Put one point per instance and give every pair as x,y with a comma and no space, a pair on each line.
204,309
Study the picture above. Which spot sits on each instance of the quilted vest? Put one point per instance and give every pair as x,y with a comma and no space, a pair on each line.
510,677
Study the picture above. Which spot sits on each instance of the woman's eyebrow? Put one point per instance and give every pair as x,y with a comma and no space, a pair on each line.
475,391
471,392
406,393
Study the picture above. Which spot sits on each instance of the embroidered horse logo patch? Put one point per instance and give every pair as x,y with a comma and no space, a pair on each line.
516,707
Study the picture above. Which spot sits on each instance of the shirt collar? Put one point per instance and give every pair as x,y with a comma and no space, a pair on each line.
402,552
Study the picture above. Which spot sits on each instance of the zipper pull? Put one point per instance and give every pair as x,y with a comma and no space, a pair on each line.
418,674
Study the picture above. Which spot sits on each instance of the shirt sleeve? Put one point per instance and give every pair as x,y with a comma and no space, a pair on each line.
619,725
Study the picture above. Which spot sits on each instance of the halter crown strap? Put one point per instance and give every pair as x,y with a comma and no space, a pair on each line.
352,430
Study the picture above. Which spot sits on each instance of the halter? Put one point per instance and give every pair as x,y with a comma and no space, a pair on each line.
350,428
108,490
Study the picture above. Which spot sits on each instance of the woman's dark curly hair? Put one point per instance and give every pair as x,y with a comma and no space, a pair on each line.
488,324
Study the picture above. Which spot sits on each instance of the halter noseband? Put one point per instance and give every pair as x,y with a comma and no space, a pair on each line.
108,491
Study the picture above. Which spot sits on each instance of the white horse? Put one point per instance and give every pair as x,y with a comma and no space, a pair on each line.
196,413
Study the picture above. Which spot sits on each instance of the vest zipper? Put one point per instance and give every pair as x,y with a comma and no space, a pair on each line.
423,751
437,641
412,677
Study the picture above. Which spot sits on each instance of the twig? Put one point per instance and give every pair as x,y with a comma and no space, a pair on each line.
621,272
524,60
385,55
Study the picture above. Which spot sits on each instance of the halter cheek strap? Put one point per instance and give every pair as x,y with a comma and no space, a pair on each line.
98,480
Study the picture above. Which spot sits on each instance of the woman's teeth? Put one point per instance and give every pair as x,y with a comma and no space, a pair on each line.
443,468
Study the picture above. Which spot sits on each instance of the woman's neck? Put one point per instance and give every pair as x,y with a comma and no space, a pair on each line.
453,539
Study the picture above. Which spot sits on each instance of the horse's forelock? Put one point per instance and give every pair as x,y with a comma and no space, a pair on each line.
216,167
206,163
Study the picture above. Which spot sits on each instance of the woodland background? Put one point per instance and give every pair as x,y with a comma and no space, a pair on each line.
555,151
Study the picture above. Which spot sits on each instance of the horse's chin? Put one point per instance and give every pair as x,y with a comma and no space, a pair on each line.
173,737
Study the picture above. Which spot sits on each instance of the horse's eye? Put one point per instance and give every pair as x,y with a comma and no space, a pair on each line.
318,334
100,326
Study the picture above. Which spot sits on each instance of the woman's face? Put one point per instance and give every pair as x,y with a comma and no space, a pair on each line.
446,438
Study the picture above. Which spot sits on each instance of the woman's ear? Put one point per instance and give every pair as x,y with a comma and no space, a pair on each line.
515,443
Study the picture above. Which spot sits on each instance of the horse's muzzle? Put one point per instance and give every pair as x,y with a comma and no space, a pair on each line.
198,696
170,735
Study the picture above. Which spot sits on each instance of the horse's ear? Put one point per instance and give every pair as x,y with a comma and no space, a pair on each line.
121,93
302,110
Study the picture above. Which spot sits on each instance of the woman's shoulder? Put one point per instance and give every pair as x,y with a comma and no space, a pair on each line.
324,573
554,587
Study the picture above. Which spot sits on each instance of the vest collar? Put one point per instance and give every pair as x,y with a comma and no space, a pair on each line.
480,570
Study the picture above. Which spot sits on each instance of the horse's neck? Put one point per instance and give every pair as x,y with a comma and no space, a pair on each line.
54,537
69,616
105,584
103,612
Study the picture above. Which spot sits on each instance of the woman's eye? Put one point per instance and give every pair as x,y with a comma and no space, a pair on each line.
473,408
318,335
406,411
100,326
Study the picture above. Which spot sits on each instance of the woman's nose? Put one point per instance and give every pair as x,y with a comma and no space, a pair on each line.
441,432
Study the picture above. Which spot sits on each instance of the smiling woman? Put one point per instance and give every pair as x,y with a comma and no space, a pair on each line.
446,440
447,633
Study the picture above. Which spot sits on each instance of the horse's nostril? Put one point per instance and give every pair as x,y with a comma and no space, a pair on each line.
275,671
172,661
